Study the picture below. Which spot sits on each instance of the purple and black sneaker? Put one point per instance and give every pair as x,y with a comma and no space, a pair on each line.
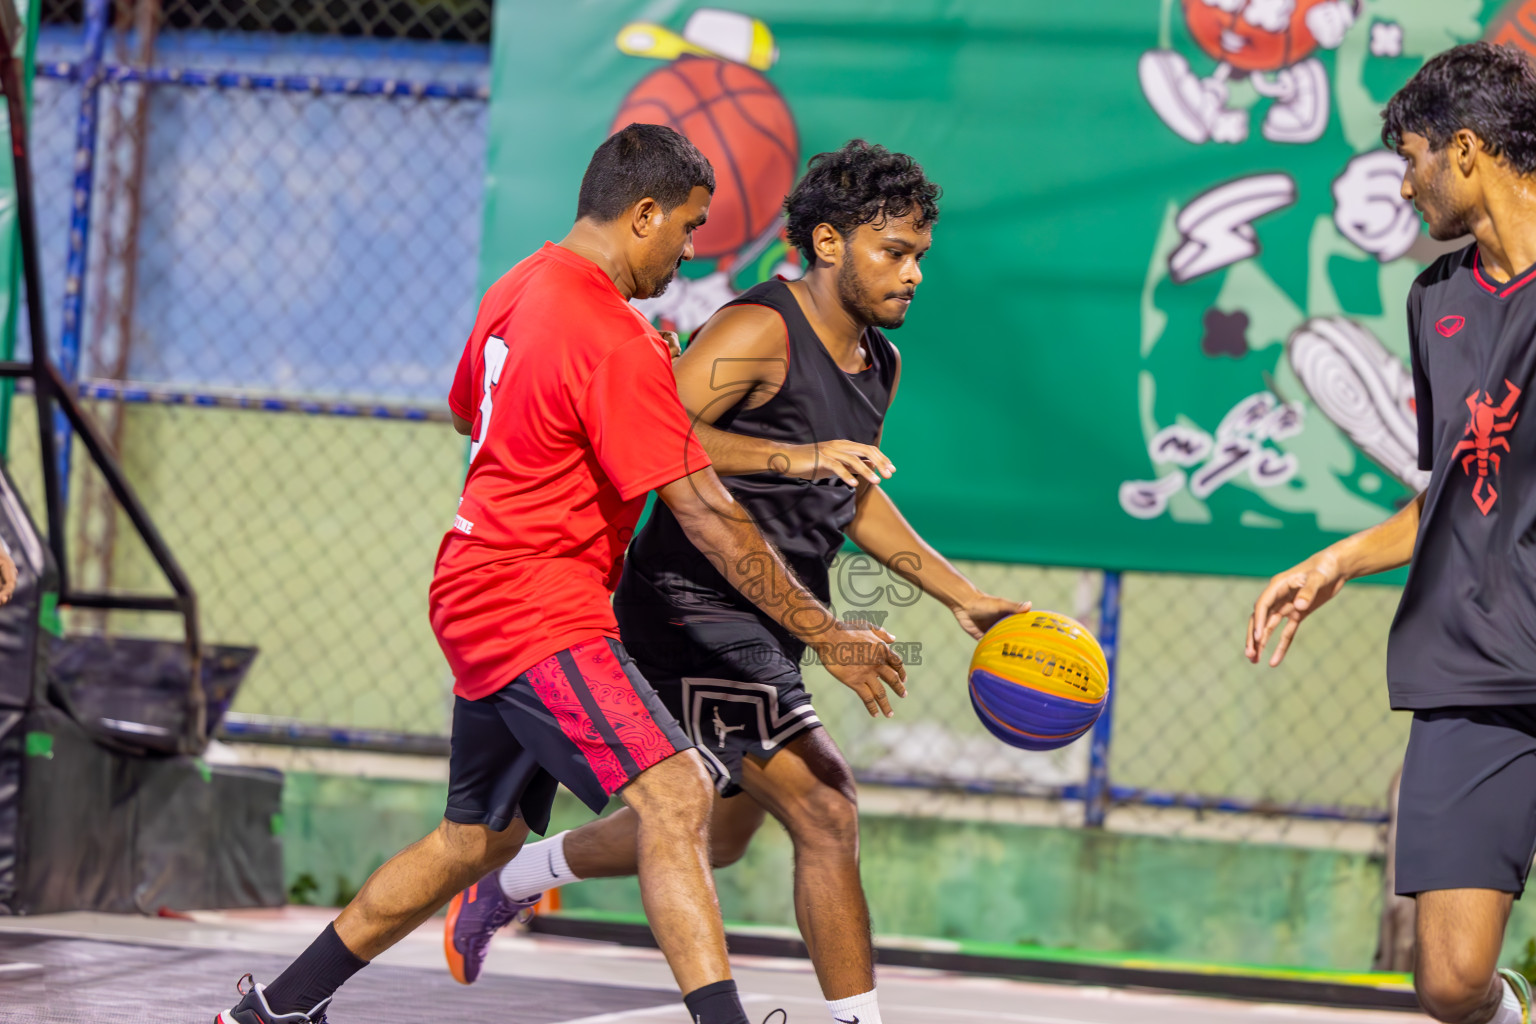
475,915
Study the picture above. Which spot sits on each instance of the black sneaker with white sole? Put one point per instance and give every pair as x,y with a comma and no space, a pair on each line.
253,1009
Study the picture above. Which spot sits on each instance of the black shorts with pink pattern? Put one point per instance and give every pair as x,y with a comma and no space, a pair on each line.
584,718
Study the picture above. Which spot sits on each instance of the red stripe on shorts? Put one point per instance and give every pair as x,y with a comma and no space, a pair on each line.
626,712
602,686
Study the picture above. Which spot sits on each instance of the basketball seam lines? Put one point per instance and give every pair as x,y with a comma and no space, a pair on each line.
741,185
791,156
652,101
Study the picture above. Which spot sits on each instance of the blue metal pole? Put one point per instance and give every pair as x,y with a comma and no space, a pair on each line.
97,15
1097,791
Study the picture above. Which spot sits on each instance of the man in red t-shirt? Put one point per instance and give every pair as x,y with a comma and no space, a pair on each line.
568,397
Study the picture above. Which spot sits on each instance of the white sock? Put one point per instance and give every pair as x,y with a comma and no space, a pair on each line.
538,867
1509,1008
864,1009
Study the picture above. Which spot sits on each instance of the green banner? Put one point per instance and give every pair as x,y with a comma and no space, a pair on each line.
1162,325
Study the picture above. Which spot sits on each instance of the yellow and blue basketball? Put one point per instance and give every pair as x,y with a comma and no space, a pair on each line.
1038,680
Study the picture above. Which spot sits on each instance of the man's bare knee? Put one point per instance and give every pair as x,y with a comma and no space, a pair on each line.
678,788
1453,993
824,816
478,845
1460,932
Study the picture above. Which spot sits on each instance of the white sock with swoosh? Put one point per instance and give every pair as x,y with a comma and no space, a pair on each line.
538,867
864,1009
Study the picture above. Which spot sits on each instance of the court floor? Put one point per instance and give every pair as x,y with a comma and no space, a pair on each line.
104,967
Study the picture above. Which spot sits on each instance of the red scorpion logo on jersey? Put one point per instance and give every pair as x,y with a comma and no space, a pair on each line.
1486,423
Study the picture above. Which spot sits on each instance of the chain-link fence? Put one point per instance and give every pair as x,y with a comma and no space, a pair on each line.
283,212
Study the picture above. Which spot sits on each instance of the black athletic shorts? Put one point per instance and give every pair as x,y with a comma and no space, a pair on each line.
731,679
585,718
1466,816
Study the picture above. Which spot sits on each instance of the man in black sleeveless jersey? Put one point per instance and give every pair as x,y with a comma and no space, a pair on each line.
1462,651
788,386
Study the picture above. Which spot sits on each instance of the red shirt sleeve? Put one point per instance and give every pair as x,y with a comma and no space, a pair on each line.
461,397
637,425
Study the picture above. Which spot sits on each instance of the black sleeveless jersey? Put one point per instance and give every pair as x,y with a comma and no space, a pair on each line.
805,520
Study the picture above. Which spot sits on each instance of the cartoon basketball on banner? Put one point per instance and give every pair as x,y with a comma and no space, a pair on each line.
715,92
1273,43
741,125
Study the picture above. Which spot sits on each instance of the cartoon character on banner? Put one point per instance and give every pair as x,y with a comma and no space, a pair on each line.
1273,43
714,92
1515,25
1360,386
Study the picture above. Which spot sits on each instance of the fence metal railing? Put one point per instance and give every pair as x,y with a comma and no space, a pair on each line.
261,231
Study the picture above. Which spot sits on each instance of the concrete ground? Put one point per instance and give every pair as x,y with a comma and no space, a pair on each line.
560,981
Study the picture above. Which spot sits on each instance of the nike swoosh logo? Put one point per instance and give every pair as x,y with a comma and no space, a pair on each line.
550,864
841,1021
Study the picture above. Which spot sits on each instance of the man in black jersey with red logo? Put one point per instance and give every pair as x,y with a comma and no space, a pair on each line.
1462,650
788,386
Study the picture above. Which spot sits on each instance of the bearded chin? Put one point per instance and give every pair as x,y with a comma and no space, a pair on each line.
658,287
851,292
1453,226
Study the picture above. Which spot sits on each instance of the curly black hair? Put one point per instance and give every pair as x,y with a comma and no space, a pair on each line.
858,184
1488,90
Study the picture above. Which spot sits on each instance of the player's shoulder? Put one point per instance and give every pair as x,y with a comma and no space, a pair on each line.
567,301
1446,268
743,328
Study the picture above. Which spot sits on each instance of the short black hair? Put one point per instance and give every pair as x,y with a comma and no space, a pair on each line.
858,184
641,160
1488,90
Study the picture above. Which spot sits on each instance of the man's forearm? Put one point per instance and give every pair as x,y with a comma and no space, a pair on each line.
881,531
734,454
1388,545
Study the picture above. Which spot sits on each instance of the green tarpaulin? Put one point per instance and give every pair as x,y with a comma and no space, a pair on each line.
1162,323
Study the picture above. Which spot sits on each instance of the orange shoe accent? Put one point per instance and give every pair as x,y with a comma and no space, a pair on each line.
454,957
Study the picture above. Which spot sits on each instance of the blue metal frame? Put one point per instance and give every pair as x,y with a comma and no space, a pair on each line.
1097,791
319,85
159,394
89,73
92,72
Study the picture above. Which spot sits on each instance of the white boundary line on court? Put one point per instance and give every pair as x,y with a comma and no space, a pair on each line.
676,1007
940,1011
626,1015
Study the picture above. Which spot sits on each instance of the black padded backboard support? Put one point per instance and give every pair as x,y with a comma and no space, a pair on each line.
52,393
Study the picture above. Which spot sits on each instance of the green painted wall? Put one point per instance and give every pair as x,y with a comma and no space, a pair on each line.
1056,887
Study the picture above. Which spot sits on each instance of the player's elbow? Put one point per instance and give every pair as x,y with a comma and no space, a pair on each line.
461,424
702,505
686,499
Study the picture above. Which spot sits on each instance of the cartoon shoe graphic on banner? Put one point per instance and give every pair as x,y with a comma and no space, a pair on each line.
1273,43
1364,389
715,92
